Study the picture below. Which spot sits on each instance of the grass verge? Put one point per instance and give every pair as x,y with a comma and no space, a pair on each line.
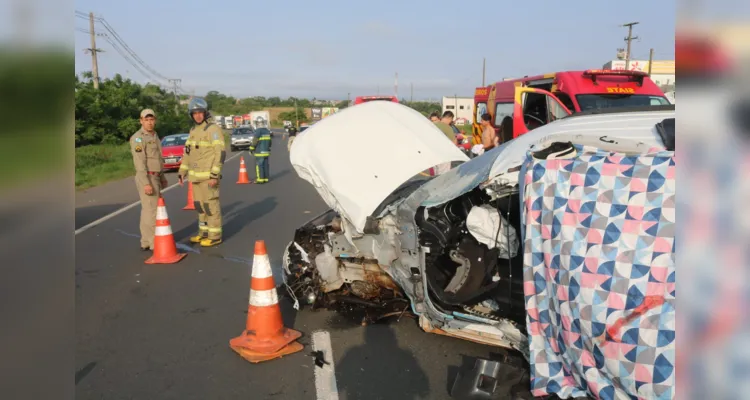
98,164
101,163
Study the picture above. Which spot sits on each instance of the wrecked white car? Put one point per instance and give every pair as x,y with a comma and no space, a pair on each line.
450,248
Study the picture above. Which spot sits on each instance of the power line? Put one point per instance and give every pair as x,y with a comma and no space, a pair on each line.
123,45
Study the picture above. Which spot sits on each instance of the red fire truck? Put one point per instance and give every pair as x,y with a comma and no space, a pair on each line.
530,102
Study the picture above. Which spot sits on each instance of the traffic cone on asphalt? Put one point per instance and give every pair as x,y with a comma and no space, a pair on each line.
243,172
190,202
165,249
265,336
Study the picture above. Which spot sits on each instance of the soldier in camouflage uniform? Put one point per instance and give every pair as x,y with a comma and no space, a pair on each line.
205,152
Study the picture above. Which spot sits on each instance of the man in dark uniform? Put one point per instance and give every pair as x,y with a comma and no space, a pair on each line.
262,151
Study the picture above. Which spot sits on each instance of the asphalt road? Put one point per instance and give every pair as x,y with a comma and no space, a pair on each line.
162,331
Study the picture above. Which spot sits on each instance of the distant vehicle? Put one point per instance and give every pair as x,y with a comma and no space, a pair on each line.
260,119
229,122
172,148
365,99
218,120
242,138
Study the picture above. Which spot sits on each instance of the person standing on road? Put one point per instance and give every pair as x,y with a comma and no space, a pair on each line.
262,151
292,135
205,152
145,147
445,126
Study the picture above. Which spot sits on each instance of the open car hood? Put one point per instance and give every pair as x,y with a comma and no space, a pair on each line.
358,156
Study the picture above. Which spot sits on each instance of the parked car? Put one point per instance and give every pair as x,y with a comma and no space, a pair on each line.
172,148
455,249
242,138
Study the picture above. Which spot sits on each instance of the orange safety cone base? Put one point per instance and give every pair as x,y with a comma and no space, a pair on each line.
166,260
248,340
255,357
189,207
243,179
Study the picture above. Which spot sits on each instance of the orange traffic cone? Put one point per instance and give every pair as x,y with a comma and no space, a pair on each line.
190,202
265,336
243,172
165,249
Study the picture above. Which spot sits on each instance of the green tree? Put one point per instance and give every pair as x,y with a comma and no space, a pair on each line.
111,113
292,116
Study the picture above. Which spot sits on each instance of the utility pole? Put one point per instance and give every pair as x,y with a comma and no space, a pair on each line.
348,99
93,50
629,39
650,60
175,82
411,98
395,85
296,114
484,65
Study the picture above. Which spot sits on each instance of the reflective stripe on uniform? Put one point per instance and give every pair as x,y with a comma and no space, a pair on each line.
198,142
263,298
262,154
217,143
202,228
200,174
183,167
264,138
163,230
214,230
215,170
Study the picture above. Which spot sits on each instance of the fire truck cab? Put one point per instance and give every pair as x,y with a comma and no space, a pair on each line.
529,102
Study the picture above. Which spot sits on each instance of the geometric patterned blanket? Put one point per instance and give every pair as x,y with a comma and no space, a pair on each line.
599,274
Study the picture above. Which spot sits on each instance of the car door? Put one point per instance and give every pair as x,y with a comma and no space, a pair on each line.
533,108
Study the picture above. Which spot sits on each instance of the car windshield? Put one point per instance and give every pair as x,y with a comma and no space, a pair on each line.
243,131
303,128
599,101
174,140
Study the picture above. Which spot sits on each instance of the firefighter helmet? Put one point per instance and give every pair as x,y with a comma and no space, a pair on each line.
197,104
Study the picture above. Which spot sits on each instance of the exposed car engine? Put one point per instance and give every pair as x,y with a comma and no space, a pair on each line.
463,274
317,278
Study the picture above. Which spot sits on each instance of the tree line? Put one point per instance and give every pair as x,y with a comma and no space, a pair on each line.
109,115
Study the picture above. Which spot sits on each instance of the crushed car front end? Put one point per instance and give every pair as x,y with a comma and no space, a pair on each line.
447,249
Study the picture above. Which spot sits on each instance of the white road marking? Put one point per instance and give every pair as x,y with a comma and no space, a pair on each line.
128,207
325,377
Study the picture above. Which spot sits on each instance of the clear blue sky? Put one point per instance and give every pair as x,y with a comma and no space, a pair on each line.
326,49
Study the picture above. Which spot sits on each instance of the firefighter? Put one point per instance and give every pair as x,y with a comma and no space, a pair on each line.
205,152
262,151
145,147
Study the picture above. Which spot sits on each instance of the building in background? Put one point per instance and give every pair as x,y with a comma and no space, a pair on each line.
662,72
316,113
461,108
